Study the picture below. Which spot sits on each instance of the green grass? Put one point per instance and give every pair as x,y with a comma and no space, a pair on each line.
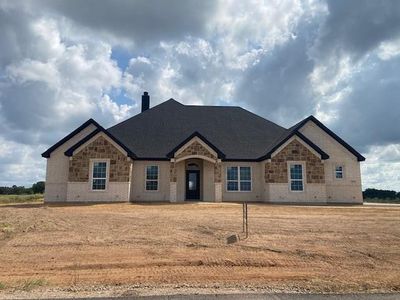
378,200
30,284
8,199
2,286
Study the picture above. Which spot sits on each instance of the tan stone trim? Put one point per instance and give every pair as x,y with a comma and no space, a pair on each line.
195,156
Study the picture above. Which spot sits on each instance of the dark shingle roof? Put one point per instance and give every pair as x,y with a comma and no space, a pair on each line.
233,132
236,132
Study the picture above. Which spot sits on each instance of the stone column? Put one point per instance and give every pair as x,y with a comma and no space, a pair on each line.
218,180
172,182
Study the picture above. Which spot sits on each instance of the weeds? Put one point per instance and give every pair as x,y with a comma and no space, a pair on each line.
8,199
2,286
30,284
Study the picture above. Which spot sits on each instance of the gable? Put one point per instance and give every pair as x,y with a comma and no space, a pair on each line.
195,148
276,169
315,130
99,147
336,148
79,133
298,143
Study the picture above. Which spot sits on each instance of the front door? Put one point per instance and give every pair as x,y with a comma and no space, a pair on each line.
193,185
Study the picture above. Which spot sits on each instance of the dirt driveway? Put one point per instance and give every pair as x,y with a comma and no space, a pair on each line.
318,249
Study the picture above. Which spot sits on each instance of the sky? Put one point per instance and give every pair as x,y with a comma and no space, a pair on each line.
63,62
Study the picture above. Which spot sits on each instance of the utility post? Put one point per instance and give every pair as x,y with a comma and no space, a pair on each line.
245,220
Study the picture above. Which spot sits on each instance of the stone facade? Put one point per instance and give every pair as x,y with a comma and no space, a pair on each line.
172,172
100,148
276,170
195,148
217,172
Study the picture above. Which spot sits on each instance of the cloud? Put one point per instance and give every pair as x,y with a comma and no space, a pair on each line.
278,86
371,109
142,22
358,27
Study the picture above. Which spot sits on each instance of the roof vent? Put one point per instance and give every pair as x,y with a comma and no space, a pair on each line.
145,101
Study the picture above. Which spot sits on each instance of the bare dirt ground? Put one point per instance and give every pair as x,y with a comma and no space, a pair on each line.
183,246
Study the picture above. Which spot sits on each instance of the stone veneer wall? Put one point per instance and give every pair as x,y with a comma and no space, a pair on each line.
276,170
100,148
172,172
217,172
195,149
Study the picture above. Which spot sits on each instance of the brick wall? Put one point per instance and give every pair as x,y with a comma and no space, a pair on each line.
100,148
276,170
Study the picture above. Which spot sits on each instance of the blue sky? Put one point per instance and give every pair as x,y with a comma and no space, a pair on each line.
63,62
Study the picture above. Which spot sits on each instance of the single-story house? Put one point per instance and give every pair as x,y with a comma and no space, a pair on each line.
175,152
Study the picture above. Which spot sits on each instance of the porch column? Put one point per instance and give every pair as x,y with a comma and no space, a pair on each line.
218,180
172,181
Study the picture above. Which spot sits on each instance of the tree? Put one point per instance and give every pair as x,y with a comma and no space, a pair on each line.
380,194
38,187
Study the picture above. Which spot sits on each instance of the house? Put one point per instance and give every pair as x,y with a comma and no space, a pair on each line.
174,153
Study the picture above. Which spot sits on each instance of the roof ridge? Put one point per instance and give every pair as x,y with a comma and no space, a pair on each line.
170,100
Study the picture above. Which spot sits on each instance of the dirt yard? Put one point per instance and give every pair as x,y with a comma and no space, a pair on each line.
316,249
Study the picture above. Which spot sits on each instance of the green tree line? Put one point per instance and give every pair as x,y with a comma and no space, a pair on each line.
36,188
380,194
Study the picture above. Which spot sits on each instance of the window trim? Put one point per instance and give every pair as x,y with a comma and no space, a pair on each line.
303,173
335,172
92,161
145,178
239,180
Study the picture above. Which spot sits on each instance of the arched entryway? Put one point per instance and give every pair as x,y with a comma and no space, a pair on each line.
195,172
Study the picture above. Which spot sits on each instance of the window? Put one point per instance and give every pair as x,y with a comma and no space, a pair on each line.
296,178
99,175
339,172
152,178
238,179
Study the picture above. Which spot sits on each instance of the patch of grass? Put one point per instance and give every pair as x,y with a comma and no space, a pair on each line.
30,284
2,286
380,200
8,199
7,229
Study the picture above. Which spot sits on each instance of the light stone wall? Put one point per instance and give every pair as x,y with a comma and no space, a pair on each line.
138,188
180,182
348,189
313,193
208,181
257,192
57,169
81,192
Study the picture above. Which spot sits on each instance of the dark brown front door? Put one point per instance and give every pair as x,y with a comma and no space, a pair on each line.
193,185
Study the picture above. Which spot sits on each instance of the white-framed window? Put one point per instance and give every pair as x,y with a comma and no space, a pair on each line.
152,176
339,172
296,177
238,179
99,174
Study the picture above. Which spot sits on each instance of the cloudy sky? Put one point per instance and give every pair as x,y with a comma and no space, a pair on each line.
63,62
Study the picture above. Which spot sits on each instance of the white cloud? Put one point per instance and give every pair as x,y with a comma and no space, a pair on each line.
389,49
